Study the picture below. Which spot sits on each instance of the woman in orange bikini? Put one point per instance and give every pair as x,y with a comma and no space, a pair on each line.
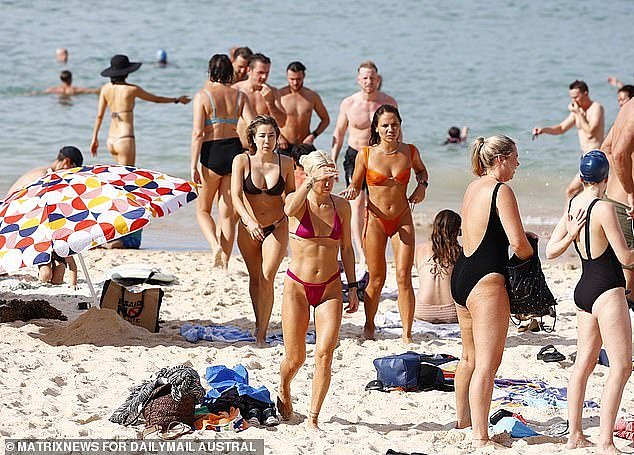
386,165
119,96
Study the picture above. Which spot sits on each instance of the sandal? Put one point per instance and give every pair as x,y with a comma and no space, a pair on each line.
532,326
559,429
550,354
375,385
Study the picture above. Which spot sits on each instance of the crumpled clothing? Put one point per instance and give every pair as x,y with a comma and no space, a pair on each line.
221,378
183,379
528,392
624,428
229,334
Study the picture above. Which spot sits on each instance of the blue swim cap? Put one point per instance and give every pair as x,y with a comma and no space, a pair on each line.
161,56
594,167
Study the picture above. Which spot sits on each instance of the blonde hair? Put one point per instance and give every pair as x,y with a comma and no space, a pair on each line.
485,150
315,160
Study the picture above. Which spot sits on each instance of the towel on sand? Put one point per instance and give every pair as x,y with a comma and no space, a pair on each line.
229,334
392,324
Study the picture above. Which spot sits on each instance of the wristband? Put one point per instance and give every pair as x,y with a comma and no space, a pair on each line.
310,183
176,101
353,284
314,133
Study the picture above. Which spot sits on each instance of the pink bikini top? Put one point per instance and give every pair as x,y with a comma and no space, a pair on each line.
306,230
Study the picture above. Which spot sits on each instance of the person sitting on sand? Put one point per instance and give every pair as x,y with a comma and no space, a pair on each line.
490,222
67,88
320,228
120,97
434,262
386,166
260,181
591,224
456,135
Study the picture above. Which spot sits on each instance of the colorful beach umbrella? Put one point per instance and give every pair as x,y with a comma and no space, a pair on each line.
72,210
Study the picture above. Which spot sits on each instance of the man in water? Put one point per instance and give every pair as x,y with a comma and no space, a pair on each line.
619,148
67,88
299,103
264,99
355,116
61,55
589,119
625,93
240,57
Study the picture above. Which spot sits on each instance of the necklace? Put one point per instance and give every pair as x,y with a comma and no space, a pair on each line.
393,152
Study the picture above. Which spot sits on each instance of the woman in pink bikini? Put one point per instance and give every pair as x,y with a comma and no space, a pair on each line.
319,225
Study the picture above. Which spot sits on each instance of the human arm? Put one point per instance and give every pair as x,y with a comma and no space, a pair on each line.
340,130
274,104
613,232
101,110
422,178
357,177
147,96
615,82
556,129
464,133
621,152
322,113
288,167
347,253
237,197
72,270
198,128
566,231
246,113
512,223
83,90
294,203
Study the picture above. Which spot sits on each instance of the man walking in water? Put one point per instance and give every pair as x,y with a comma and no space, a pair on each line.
299,103
355,116
589,119
264,99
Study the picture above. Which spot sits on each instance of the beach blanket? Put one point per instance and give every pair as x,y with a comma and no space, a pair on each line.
536,393
392,324
230,334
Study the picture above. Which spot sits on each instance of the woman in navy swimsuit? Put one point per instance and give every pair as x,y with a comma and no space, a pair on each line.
320,228
490,222
602,313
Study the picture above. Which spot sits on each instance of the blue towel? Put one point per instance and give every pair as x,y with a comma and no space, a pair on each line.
513,427
229,333
526,392
221,378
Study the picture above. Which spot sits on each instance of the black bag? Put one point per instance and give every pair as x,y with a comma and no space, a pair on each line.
529,294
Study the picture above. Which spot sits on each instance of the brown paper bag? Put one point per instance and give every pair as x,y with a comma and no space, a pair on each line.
138,308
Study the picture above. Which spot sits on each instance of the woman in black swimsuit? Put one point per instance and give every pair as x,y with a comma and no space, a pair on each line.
215,142
602,313
260,182
490,222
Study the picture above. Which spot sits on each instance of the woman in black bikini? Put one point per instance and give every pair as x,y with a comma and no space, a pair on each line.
215,143
602,313
490,221
119,96
260,182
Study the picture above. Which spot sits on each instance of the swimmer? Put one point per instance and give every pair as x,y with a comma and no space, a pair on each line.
456,135
61,55
67,88
386,166
161,58
119,96
490,222
603,317
355,116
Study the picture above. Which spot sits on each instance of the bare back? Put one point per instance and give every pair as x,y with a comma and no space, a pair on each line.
434,290
219,117
476,207
120,100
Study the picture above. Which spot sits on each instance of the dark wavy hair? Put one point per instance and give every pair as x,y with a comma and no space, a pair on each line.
374,134
220,69
253,126
444,241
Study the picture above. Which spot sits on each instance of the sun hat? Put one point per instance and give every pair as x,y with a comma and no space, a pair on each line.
120,65
594,167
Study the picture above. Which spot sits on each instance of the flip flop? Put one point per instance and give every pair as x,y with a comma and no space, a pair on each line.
559,429
550,354
375,385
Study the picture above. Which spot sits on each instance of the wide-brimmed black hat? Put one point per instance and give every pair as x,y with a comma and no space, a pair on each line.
120,65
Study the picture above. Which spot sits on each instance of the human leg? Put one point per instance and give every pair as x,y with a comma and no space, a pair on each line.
403,245
210,184
488,305
356,226
588,346
613,317
465,367
375,242
251,251
227,218
59,270
45,272
327,324
295,317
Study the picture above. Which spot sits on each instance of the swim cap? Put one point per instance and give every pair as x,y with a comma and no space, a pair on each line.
161,56
594,166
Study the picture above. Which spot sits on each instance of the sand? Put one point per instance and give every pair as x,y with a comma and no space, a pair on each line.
64,379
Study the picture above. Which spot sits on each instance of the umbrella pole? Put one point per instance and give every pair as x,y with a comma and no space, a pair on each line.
85,270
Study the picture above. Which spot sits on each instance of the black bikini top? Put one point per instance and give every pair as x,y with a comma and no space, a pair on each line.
249,187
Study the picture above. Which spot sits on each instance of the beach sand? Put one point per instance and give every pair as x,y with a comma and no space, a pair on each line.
61,383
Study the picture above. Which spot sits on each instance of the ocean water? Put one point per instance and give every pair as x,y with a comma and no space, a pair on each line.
497,67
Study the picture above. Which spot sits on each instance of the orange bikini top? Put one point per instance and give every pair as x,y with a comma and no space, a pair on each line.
374,178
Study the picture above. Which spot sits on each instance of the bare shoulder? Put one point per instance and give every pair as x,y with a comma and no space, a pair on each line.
341,204
240,161
387,99
285,160
284,91
239,85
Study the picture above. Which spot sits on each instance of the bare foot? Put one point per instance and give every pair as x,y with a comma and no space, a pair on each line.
576,441
261,343
406,340
462,425
216,257
480,443
285,408
368,333
608,450
311,421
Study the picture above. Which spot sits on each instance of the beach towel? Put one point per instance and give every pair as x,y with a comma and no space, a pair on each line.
513,427
183,379
230,334
392,324
536,393
221,378
624,428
